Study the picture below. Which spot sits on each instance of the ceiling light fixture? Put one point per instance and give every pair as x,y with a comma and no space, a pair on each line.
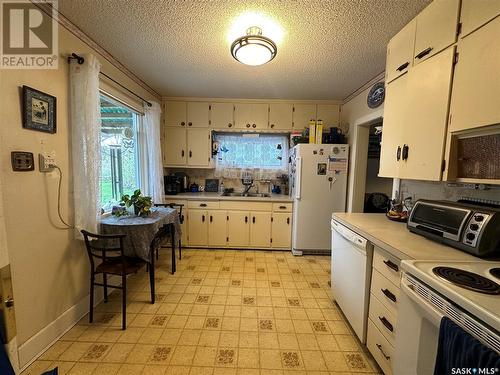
253,48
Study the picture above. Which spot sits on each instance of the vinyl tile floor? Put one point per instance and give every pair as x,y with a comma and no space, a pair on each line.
224,312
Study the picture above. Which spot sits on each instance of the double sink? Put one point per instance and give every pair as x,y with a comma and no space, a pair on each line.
251,195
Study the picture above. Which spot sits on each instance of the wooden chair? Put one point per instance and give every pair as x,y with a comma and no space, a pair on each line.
178,207
109,249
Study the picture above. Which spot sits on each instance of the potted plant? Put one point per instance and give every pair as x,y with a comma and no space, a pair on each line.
140,203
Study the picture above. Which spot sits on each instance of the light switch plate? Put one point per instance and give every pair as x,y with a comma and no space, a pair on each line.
22,161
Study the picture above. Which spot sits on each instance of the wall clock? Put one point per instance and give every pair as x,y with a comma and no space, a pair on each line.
376,95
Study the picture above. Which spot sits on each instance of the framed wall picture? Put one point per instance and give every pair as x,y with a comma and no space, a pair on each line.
39,110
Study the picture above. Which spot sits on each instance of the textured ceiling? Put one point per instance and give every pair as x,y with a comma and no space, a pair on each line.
181,48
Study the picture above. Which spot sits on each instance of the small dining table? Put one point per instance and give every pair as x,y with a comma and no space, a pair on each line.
144,234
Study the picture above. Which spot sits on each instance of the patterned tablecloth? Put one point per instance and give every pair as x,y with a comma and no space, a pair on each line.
140,231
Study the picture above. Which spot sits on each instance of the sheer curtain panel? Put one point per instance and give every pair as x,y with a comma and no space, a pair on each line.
86,136
153,181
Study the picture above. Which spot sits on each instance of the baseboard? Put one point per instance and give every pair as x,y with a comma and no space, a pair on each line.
44,339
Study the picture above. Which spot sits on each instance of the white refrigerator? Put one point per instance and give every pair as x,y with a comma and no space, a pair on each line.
318,178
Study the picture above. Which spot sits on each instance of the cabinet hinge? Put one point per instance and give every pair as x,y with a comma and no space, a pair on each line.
459,28
455,59
443,165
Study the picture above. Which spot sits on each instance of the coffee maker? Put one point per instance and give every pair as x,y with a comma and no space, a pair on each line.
172,184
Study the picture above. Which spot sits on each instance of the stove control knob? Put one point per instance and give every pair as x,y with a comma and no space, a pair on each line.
474,227
470,236
478,217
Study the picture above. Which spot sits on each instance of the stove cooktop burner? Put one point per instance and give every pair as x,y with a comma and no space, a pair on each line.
495,272
467,280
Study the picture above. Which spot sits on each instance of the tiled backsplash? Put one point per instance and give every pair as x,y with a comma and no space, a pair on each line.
198,176
442,191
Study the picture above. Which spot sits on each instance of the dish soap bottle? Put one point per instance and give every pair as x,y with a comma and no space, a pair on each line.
221,188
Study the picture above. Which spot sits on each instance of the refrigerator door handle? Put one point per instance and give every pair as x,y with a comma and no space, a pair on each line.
298,177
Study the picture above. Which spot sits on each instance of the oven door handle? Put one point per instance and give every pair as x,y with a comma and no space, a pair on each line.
422,303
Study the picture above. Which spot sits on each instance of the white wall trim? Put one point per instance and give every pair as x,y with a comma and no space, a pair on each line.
39,343
44,339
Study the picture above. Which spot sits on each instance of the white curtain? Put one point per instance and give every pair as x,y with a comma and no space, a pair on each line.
85,143
152,184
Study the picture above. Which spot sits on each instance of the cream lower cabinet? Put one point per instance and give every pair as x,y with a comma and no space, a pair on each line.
281,229
260,229
217,228
238,228
198,227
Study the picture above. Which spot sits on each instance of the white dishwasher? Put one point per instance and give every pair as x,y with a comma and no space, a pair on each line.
351,275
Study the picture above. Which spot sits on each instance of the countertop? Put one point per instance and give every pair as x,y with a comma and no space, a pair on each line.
217,196
398,241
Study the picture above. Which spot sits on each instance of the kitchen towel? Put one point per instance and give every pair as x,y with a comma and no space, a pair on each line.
457,349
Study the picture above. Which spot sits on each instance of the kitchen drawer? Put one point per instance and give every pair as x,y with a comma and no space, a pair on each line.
387,265
381,349
282,207
211,205
385,291
246,205
167,200
383,319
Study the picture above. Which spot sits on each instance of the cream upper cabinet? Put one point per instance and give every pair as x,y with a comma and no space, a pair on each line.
197,114
436,28
280,116
429,85
475,13
238,228
475,99
400,52
302,114
251,115
198,147
281,229
175,113
395,112
175,146
198,227
222,115
260,229
330,114
217,231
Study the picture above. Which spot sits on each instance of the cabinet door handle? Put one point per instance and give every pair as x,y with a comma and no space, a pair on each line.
282,207
272,126
403,66
246,219
288,220
183,123
202,218
182,153
203,205
230,125
406,150
254,126
190,124
391,265
398,153
253,219
381,351
423,53
248,125
211,218
190,153
389,294
386,323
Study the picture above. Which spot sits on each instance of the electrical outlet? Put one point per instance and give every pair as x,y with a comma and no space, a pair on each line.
47,161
